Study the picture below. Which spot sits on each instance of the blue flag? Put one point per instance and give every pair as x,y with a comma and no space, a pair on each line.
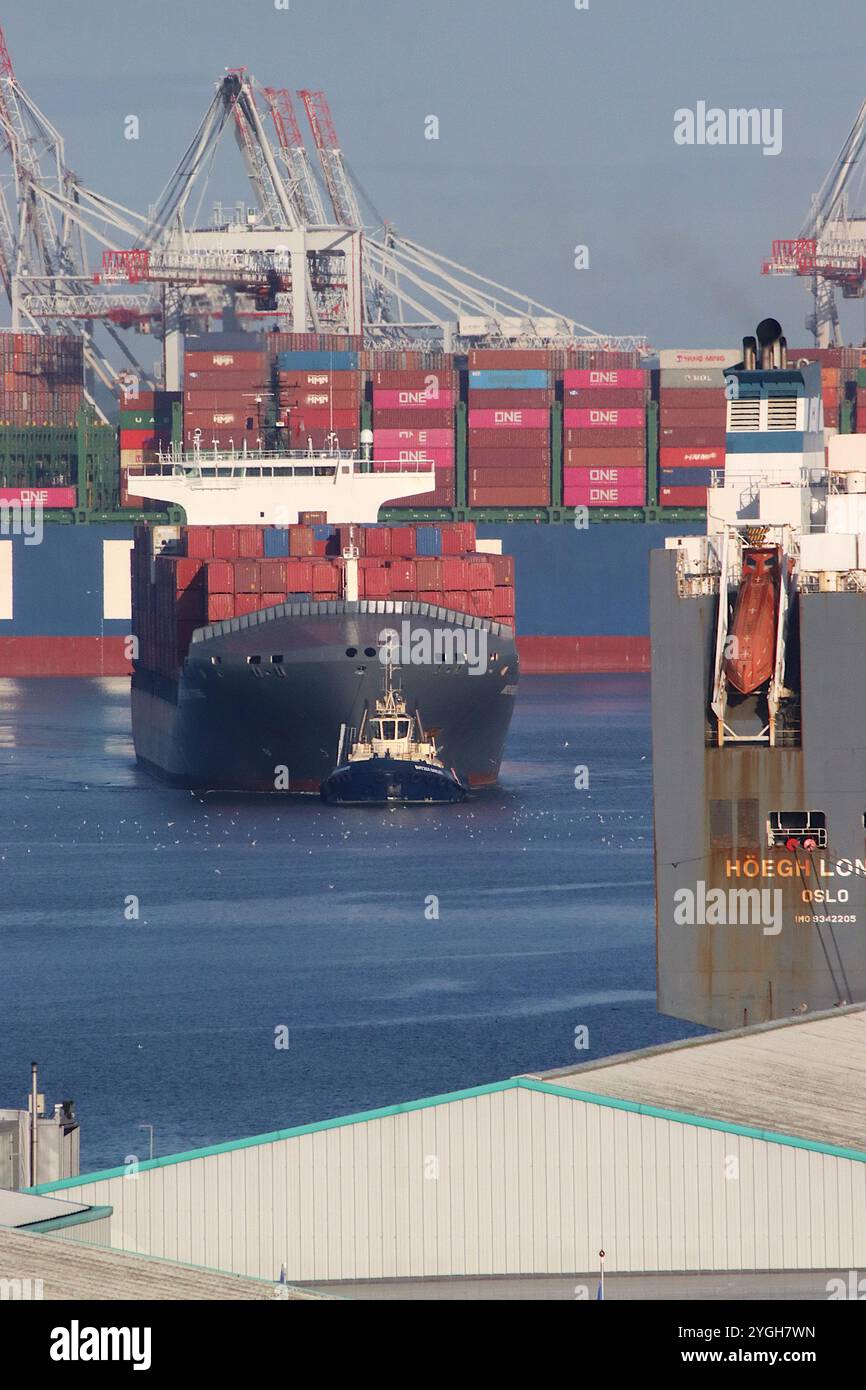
599,1292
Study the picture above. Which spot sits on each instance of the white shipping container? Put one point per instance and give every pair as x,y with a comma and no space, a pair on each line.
847,453
846,512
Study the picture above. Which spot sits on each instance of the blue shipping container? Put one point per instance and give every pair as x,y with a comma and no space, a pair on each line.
685,477
317,361
276,543
428,540
509,381
322,531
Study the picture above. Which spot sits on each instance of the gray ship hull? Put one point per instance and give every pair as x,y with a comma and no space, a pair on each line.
260,701
803,945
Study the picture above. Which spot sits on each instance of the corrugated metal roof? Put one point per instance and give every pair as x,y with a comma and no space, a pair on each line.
800,1077
70,1270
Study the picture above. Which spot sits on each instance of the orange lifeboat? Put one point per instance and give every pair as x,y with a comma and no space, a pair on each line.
752,634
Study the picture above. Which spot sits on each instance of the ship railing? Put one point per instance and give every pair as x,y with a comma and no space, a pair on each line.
259,463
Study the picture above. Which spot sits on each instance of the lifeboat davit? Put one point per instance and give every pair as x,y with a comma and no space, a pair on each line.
752,634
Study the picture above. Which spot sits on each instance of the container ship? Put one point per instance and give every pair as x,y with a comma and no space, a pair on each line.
759,759
580,461
260,647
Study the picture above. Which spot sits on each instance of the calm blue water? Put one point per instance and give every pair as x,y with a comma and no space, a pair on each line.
257,913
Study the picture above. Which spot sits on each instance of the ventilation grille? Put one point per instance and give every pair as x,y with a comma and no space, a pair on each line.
782,413
744,415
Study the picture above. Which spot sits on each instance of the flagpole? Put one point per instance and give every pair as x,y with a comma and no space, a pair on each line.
601,1264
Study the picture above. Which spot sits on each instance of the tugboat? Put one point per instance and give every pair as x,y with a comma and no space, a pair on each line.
392,761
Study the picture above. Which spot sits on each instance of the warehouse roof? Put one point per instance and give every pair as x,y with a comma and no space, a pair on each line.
77,1271
802,1077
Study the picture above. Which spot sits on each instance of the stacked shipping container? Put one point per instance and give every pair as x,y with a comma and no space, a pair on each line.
692,421
318,394
144,431
42,378
225,395
509,455
604,445
224,572
413,423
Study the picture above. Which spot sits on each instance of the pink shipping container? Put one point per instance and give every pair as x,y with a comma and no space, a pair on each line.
601,378
509,419
604,417
390,461
603,495
415,437
621,477
389,398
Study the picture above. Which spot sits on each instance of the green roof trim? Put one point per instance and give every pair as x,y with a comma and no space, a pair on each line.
428,1102
55,1223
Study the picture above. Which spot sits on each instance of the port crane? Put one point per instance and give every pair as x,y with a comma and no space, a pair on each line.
830,250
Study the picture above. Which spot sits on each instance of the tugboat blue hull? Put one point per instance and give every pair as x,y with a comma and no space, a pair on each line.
384,781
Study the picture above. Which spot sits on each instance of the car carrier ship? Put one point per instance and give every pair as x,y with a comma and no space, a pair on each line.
759,757
263,625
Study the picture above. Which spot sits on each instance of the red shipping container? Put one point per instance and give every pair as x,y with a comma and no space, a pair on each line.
691,458
580,396
299,576
536,456
633,457
605,378
510,359
428,572
225,542
272,576
683,496
509,496
503,602
247,603
604,439
251,541
604,417
375,583
187,570
377,540
453,572
433,379
434,596
505,419
503,568
603,495
671,418
509,439
320,417
403,540
403,574
220,607
220,577
246,577
271,600
479,574
457,599
481,603
409,419
691,438
537,399
604,477
326,578
682,398
198,541
300,540
457,537
509,477
246,359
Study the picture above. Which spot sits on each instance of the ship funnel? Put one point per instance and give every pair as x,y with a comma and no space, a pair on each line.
783,353
769,335
750,354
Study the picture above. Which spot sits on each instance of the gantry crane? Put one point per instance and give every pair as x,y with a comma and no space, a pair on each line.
831,248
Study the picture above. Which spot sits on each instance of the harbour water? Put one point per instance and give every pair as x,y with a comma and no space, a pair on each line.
159,948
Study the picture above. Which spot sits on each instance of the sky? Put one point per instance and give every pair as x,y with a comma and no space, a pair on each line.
556,130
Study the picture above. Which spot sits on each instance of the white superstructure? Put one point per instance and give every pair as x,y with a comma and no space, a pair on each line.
219,488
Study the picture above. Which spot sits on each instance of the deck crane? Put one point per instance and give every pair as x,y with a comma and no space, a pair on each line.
831,248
